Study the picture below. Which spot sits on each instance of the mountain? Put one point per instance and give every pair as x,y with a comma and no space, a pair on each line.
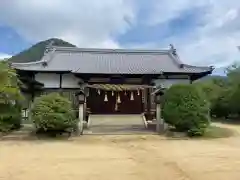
214,77
221,71
211,77
36,52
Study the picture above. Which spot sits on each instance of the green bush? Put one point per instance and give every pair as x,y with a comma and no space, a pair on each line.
222,105
212,92
10,117
52,112
10,95
185,108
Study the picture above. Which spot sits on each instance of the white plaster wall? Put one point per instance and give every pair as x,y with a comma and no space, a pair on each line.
166,83
50,80
70,81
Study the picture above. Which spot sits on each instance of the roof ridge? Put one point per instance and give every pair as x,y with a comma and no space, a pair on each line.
48,52
174,56
27,63
109,50
177,60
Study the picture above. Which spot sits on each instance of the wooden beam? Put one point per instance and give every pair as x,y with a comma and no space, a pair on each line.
148,99
60,81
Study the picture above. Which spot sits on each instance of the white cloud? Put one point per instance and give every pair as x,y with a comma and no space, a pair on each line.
83,22
165,10
96,23
213,43
4,56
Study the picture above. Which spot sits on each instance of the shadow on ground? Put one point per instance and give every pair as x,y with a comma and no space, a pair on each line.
233,121
27,133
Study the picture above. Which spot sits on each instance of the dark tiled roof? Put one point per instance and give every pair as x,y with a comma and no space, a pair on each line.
110,61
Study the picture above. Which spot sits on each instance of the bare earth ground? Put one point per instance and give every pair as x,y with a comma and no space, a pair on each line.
125,157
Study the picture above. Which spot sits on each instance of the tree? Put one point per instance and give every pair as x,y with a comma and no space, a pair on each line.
186,108
222,104
215,91
9,89
211,90
10,109
233,74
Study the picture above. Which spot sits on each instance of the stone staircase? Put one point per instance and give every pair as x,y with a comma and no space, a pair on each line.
116,124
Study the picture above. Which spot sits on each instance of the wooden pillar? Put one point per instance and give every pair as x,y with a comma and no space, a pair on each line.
148,102
32,93
191,79
32,87
60,83
145,100
84,111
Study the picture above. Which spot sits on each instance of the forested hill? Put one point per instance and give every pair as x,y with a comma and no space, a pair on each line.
210,77
36,52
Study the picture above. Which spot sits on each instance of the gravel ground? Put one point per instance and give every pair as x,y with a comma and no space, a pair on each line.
128,157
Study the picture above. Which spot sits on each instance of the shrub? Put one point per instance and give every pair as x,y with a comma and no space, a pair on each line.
10,113
10,117
52,112
222,105
185,108
212,91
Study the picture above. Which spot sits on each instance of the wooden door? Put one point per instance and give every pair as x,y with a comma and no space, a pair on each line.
128,106
97,105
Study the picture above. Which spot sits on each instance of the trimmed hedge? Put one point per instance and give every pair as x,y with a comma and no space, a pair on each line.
52,112
185,108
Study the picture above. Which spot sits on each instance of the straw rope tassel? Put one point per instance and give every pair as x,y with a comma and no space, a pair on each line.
116,105
105,98
118,99
132,97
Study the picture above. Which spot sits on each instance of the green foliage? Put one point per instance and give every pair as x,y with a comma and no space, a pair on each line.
224,93
233,74
36,52
9,90
217,94
221,106
53,112
185,108
10,117
210,89
10,111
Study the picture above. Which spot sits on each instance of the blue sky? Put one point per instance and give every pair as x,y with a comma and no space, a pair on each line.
11,42
178,26
204,32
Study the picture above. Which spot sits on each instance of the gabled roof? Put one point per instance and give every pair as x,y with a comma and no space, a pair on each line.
110,61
